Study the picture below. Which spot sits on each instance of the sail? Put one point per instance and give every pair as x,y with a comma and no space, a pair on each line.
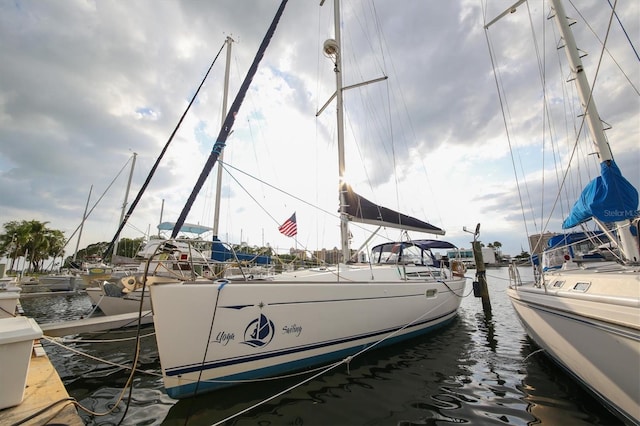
609,198
361,210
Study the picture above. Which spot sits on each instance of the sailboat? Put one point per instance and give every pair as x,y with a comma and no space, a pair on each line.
226,332
583,308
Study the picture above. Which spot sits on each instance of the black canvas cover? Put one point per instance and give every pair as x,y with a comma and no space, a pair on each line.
362,210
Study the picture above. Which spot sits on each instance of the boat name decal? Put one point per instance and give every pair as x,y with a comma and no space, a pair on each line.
292,329
224,338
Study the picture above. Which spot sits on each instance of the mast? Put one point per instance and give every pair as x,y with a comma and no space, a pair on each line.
628,245
84,217
216,213
582,83
125,202
332,48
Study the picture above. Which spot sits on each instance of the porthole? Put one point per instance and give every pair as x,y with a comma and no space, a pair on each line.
583,287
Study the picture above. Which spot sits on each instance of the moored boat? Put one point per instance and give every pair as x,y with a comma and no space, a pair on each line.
583,307
224,332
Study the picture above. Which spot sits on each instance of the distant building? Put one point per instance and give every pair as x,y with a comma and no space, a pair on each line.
298,253
538,242
466,256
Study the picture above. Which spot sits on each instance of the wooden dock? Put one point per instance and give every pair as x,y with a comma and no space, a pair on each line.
44,392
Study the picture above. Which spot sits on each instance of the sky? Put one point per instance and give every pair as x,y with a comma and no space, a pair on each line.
86,84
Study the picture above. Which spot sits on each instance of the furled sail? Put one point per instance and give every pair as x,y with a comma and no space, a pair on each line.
609,198
361,210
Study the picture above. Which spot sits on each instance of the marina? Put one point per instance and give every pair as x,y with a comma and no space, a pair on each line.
479,370
364,306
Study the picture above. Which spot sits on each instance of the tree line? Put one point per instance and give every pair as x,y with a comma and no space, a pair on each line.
36,243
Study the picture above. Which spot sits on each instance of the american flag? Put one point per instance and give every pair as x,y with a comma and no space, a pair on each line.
289,227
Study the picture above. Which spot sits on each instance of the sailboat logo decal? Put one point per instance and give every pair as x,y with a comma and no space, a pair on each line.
259,332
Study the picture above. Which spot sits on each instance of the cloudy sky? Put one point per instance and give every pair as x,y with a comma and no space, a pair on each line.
85,84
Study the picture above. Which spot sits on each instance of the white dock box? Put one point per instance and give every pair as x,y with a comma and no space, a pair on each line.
8,303
16,342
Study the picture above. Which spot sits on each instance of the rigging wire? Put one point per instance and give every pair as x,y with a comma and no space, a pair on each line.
92,208
575,146
157,163
624,30
504,109
584,116
633,86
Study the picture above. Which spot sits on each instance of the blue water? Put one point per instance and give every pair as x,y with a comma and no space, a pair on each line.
479,370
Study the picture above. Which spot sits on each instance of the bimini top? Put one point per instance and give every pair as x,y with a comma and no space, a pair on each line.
563,240
423,244
187,227
414,251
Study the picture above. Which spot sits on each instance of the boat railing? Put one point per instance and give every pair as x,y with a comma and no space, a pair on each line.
181,259
515,279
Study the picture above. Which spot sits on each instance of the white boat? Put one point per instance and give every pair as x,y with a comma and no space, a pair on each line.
193,260
110,298
225,332
60,282
94,272
583,309
159,260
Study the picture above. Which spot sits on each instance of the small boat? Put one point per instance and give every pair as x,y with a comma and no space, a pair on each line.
60,282
583,308
94,270
225,332
158,260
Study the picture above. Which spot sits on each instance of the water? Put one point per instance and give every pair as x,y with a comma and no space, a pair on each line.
478,370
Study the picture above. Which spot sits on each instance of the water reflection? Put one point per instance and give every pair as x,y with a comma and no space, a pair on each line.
554,397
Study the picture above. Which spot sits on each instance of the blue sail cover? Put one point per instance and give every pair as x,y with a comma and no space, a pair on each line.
221,253
609,198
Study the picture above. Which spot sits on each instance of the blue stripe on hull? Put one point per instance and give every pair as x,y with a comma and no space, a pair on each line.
185,391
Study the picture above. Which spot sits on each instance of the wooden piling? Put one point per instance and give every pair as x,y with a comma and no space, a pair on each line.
481,276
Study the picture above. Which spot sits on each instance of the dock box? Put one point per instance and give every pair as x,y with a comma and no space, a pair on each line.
8,302
16,342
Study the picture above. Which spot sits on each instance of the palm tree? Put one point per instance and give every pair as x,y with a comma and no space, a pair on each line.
31,239
498,245
14,241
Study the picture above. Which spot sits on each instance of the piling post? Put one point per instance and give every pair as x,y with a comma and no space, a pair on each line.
480,287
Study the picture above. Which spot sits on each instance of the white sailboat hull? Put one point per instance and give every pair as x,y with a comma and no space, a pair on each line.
250,330
117,305
594,334
61,282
